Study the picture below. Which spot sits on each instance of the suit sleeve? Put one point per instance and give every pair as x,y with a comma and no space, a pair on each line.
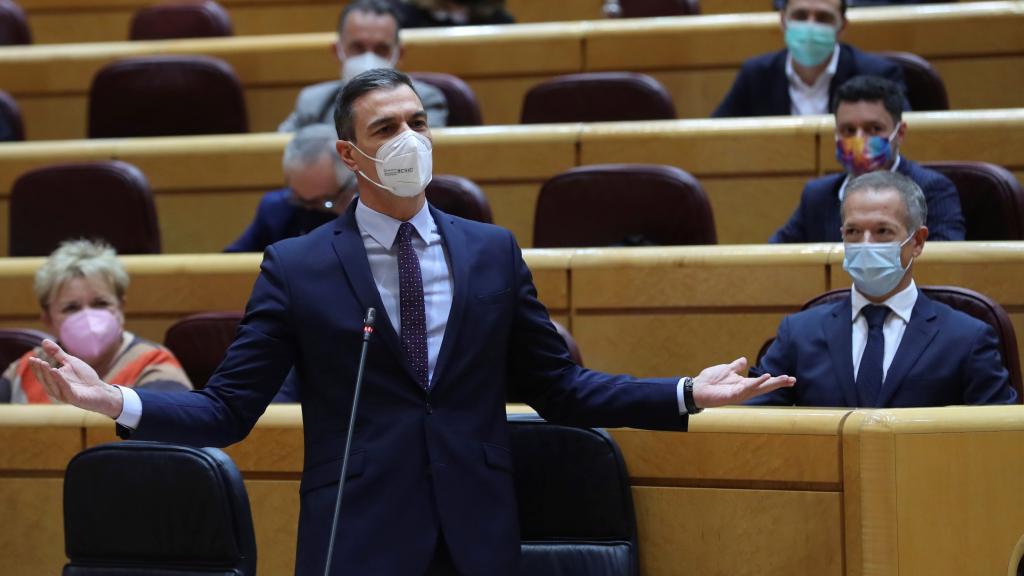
565,393
988,382
245,382
256,236
793,230
779,359
734,103
945,217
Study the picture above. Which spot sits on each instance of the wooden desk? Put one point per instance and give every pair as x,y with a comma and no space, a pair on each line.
746,491
696,57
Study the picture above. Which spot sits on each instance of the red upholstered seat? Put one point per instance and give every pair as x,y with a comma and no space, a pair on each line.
648,8
11,127
180,19
200,342
925,88
598,97
463,109
990,197
13,24
109,200
166,96
622,204
460,197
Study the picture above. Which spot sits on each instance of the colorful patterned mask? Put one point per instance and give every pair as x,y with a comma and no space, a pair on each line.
860,155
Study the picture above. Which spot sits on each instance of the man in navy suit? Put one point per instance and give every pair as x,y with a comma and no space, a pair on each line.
869,132
887,345
430,486
802,78
319,187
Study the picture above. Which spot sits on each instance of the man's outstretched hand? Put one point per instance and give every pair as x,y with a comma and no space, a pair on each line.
75,382
722,385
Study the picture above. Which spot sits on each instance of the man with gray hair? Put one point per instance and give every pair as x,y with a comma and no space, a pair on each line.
318,188
887,345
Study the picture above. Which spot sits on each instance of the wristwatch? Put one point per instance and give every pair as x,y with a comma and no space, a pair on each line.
688,402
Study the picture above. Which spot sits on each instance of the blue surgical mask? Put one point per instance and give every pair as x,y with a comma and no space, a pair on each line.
875,266
810,43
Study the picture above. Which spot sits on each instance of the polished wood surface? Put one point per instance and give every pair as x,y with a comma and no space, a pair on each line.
695,57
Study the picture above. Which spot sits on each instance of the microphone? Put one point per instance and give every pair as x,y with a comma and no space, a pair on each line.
368,321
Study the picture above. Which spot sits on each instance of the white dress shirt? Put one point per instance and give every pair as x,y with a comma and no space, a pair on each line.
813,99
901,305
379,232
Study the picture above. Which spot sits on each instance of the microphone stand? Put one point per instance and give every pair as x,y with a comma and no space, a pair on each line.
371,317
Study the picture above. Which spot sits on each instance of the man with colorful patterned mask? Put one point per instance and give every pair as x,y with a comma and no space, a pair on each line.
869,132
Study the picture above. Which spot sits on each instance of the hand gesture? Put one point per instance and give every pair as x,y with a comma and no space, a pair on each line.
722,385
75,382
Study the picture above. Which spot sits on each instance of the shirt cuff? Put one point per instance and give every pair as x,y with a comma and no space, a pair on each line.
131,410
680,397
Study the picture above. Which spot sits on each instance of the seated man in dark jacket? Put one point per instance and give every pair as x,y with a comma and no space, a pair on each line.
319,187
869,132
803,78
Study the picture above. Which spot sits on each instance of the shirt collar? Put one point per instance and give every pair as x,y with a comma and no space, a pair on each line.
842,188
901,303
825,78
383,228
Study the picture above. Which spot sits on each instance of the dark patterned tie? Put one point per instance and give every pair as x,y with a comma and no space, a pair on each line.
869,375
414,320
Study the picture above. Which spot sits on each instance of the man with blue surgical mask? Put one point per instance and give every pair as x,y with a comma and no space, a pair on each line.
802,78
887,344
367,38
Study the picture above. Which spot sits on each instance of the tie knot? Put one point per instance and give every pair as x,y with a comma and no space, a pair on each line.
875,315
405,233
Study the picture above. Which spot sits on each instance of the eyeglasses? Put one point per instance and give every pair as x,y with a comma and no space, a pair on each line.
323,204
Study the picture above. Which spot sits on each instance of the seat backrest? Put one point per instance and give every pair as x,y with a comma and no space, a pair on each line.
925,88
180,19
463,108
649,8
14,28
14,342
575,506
11,127
622,204
598,97
154,508
200,342
460,197
166,96
969,302
990,197
110,200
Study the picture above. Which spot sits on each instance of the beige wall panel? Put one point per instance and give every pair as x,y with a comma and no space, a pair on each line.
677,458
5,217
960,505
533,11
666,345
696,93
706,147
32,532
507,153
514,207
979,29
204,221
275,518
269,106
731,6
286,18
718,532
108,25
501,99
550,269
1004,78
55,117
18,158
37,448
708,276
750,210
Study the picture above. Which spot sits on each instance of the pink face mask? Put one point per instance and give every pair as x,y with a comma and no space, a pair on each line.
89,333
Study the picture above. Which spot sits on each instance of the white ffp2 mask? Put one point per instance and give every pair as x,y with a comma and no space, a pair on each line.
405,164
352,66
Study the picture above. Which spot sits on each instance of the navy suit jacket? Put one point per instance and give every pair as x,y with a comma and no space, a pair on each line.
421,462
762,88
276,219
816,218
945,357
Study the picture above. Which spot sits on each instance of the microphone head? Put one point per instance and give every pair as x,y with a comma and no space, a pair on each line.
371,317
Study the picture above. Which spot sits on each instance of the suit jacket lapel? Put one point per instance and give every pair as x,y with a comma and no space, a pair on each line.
844,71
456,248
919,333
351,253
839,335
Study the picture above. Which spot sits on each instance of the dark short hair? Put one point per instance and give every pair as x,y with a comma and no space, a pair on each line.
378,7
376,79
872,89
842,7
913,198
